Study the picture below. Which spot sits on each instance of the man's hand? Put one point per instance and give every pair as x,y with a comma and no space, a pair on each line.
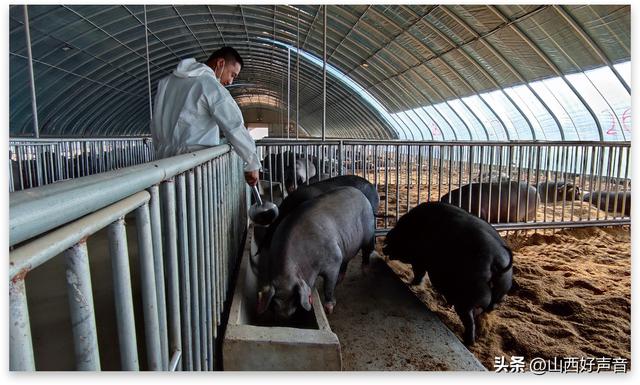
251,177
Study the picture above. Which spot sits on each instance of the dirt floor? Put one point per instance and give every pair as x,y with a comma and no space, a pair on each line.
572,287
571,297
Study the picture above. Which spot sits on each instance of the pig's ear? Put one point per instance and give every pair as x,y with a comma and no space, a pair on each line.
305,295
264,298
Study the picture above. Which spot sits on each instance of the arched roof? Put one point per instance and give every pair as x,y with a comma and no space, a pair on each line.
440,72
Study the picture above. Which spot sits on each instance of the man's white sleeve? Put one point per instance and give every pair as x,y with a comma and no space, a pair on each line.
229,119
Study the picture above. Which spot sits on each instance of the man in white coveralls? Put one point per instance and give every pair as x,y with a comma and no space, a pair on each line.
192,106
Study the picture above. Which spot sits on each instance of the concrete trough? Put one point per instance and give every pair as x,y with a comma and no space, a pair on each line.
249,345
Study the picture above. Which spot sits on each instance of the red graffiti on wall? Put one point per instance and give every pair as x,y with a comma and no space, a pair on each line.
613,121
435,130
626,119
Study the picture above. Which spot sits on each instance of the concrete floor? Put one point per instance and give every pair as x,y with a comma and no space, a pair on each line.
381,325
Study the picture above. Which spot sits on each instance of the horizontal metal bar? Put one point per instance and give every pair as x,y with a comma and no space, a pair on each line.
34,254
392,142
560,224
43,208
44,139
545,225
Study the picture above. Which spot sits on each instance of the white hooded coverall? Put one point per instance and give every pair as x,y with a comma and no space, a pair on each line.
191,107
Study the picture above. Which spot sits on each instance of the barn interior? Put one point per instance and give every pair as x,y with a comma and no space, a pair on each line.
122,261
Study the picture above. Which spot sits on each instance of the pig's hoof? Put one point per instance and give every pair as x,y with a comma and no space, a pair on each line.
328,307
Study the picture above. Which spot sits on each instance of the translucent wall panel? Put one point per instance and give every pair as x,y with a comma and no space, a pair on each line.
610,122
489,119
400,127
574,118
411,125
512,118
624,69
422,123
618,116
543,123
477,131
438,131
456,124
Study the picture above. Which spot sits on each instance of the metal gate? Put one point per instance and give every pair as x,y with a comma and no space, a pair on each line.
190,219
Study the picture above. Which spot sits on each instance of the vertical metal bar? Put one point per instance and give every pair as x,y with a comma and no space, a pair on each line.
537,182
123,297
510,160
213,240
429,176
408,177
471,158
439,172
563,164
450,171
158,266
39,164
608,183
600,168
185,283
324,73
419,173
82,316
592,173
518,194
146,44
298,75
32,84
288,91
386,185
148,283
207,265
480,185
201,269
171,248
499,185
20,342
617,182
626,184
193,268
397,163
11,183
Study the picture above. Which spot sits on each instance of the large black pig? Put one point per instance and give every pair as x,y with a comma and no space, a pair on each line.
319,238
295,199
467,261
502,207
610,201
558,191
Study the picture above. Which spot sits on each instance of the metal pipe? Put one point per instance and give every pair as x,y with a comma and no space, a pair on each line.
193,269
207,265
158,263
200,267
41,250
32,84
184,271
171,248
148,284
123,297
20,342
38,210
82,311
324,72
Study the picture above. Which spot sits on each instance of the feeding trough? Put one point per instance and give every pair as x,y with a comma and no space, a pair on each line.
249,344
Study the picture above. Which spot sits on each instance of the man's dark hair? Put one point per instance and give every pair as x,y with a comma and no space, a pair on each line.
226,53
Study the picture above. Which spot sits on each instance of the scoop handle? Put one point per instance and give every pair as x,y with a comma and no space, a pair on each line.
256,194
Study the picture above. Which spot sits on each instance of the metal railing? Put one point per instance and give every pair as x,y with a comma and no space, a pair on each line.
407,173
189,213
38,162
